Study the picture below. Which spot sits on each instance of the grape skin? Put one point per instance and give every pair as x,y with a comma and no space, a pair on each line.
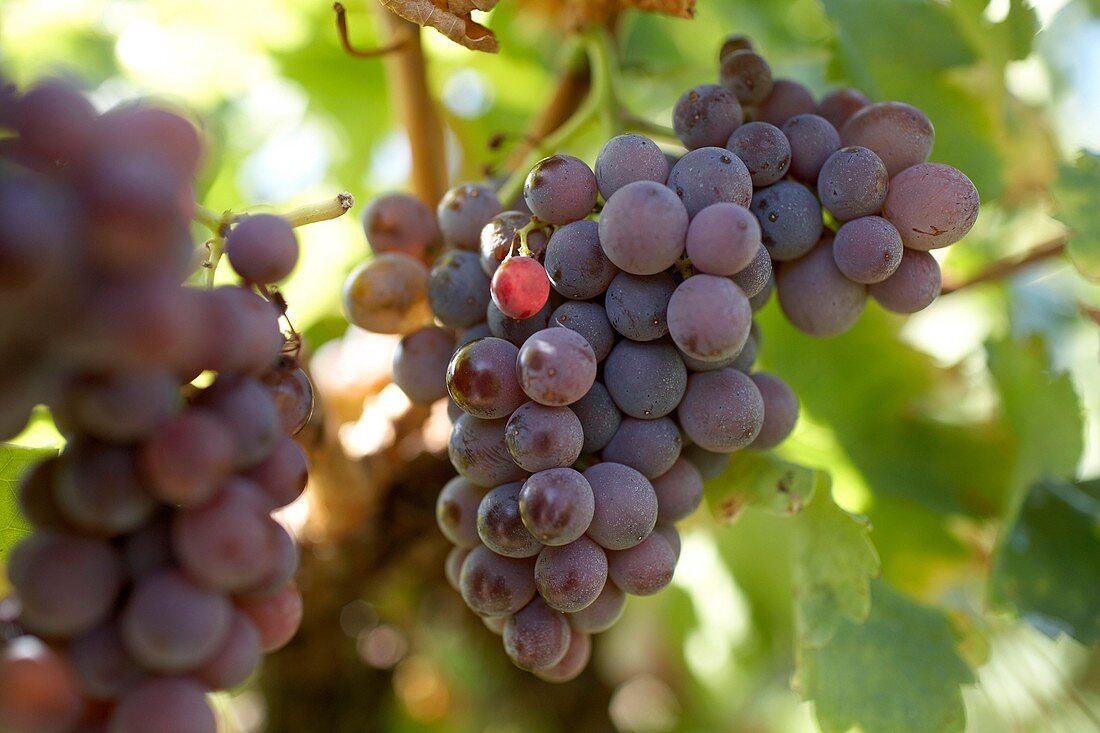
247,408
816,297
556,366
120,406
282,476
900,134
292,391
515,330
556,505
40,692
573,663
500,526
520,287
420,364
541,437
637,305
680,489
764,150
913,286
481,378
723,239
626,505
536,637
575,262
646,379
747,75
787,99
560,189
780,410
399,222
722,332
238,656
464,211
97,489
642,227
102,665
628,158
589,320
852,183
644,569
166,705
706,115
709,463
722,411
812,141
276,616
388,294
452,566
458,289
840,104
867,250
790,219
648,446
707,176
262,248
732,43
755,276
478,452
599,416
456,512
570,577
932,205
602,613
493,585
499,238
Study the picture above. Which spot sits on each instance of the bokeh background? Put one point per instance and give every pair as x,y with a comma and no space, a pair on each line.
934,427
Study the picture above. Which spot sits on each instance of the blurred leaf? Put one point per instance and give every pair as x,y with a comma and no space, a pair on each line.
453,21
1047,566
834,561
897,672
762,480
14,461
1074,194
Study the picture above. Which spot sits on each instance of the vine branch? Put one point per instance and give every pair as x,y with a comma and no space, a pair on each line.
1054,247
398,42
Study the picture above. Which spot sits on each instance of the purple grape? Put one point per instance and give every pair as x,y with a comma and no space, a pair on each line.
500,238
98,489
761,299
238,656
560,189
602,613
573,663
589,320
471,334
121,407
494,585
37,502
852,183
55,120
570,577
262,248
672,537
900,134
787,99
764,150
456,512
812,141
481,378
292,391
556,505
458,289
500,526
166,705
541,437
912,287
285,559
722,411
644,569
723,239
282,475
599,416
816,297
556,366
514,330
389,294
153,131
276,616
40,693
705,116
101,663
708,176
575,262
648,446
839,105
626,505
710,464
754,277
642,227
637,305
780,411
698,365
248,410
149,550
626,159
747,75
452,566
867,250
679,490
420,364
932,205
790,219
719,334
36,232
463,213
732,43
478,452
536,637
646,380
747,357
400,222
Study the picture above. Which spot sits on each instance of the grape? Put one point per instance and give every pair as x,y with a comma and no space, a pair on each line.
790,219
764,150
710,464
98,489
226,543
452,566
816,297
723,239
900,134
276,616
66,585
556,366
642,228
164,705
812,140
761,299
672,537
541,437
780,412
37,502
248,410
680,489
747,75
262,248
240,332
589,320
747,357
171,625
537,636
705,116
573,663
626,505
238,656
734,42
389,294
648,446
40,693
420,364
556,505
698,365
500,526
852,183
709,317
150,548
867,250
644,569
628,158
839,105
34,243
457,512
599,417
637,305
787,99
463,213
560,189
576,263
55,120
283,474
646,380
102,665
478,452
571,577
932,205
399,222
471,334
121,406
285,559
495,624
293,394
520,287
481,378
458,289
185,459
515,330
493,585
912,287
754,277
707,176
722,411
154,131
602,613
499,238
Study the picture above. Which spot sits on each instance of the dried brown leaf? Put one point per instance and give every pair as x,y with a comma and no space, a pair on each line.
459,27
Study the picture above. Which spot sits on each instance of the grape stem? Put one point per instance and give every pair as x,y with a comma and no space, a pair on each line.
1054,247
396,44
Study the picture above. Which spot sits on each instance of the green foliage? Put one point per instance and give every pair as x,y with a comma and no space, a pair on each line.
14,462
762,480
1074,194
1047,566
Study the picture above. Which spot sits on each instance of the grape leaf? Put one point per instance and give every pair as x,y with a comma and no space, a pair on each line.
14,461
897,672
453,21
762,480
834,561
1074,193
1047,566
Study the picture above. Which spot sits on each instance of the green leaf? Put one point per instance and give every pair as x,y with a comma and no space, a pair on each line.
897,672
14,462
834,561
762,480
1074,194
1047,566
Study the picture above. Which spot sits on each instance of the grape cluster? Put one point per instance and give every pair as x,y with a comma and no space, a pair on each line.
155,571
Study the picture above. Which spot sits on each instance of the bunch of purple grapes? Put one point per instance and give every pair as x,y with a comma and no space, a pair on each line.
155,571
